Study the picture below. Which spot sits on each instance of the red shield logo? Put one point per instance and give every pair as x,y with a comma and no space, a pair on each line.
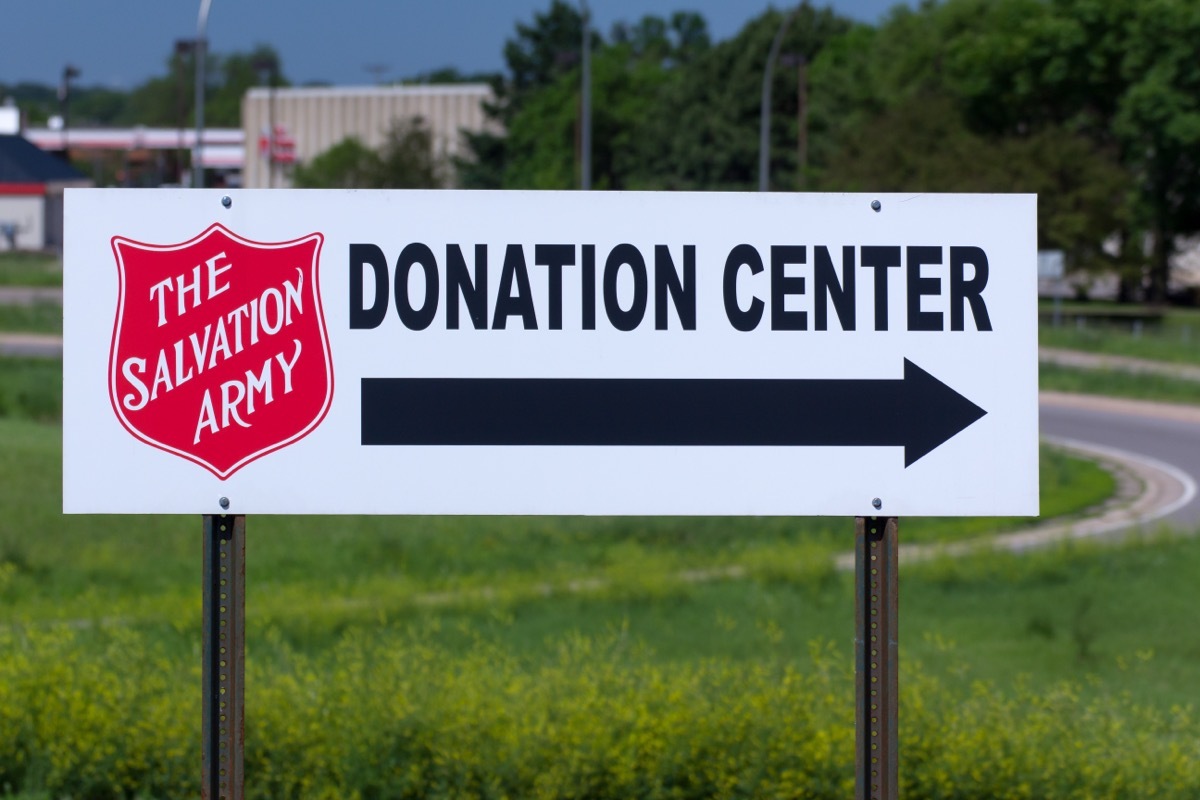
219,351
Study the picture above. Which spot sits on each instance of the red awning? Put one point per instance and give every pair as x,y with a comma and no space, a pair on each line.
22,189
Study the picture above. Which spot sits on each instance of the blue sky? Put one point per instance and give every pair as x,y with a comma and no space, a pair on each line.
121,43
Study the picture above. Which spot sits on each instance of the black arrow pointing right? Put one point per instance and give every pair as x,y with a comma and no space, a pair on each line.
917,412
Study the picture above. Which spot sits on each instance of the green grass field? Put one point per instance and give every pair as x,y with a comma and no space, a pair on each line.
1175,339
528,581
31,388
37,318
30,269
566,657
585,656
1116,383
318,574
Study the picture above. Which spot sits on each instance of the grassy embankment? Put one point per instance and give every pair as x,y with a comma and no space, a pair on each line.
1117,383
30,269
104,566
36,318
565,656
1175,339
34,270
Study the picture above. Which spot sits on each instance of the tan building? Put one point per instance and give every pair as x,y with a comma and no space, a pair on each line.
297,124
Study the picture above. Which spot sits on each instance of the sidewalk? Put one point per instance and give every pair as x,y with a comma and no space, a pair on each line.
1147,491
30,345
30,295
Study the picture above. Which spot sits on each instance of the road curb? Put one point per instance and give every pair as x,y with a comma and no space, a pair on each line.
30,345
1177,412
30,295
1147,490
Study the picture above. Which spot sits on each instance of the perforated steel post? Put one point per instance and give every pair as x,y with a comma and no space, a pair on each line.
224,653
876,652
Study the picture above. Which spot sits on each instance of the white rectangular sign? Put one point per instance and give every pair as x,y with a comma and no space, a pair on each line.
434,352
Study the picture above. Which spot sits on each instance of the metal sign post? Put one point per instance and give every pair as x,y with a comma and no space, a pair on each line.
877,661
224,654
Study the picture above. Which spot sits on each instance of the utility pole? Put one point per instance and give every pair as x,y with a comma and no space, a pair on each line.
764,123
64,97
201,48
585,124
183,48
268,68
800,62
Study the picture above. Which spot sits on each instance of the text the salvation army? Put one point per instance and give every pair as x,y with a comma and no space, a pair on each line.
218,340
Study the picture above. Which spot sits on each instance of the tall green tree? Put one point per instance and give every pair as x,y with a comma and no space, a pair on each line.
925,145
629,77
670,109
1124,73
169,100
163,101
406,160
234,75
1157,123
536,58
703,132
349,164
1095,105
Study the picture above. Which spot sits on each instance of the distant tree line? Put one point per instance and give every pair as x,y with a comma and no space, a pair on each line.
166,101
1095,106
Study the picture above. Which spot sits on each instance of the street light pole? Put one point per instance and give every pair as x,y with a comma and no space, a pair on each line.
802,121
201,47
268,67
764,124
183,47
64,97
585,135
801,64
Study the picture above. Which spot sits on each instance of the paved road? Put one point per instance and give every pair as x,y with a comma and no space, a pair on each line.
30,345
29,295
1163,433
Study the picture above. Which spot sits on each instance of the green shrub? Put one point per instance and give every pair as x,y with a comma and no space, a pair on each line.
31,389
105,715
105,718
36,318
30,269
